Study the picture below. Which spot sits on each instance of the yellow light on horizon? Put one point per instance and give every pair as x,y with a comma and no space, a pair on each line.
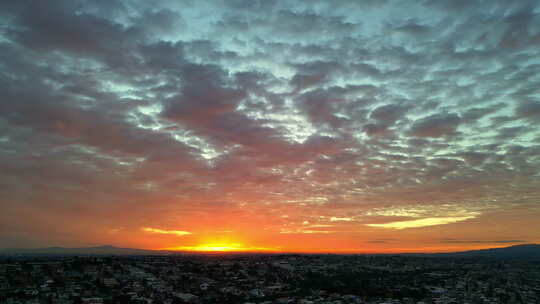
221,247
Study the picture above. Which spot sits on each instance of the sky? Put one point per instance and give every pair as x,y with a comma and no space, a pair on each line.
297,126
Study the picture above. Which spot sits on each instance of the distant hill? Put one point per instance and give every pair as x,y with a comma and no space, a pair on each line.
523,252
100,250
526,251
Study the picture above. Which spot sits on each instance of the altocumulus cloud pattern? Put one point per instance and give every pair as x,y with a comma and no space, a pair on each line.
375,123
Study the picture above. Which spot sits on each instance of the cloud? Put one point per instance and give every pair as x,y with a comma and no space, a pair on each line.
341,219
425,222
460,241
161,231
529,110
426,210
57,26
388,113
375,129
381,241
436,125
305,231
413,28
424,215
399,117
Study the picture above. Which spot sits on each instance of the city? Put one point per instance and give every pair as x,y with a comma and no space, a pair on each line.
279,278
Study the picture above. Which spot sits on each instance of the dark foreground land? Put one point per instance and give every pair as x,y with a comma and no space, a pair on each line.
268,279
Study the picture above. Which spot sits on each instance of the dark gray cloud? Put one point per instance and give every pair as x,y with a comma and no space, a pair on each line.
59,26
529,109
436,125
389,114
375,129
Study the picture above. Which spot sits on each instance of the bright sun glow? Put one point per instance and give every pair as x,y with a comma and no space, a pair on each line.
221,247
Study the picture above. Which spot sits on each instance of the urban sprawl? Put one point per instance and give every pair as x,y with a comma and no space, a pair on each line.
287,278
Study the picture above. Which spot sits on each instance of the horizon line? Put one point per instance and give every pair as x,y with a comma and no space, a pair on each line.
269,252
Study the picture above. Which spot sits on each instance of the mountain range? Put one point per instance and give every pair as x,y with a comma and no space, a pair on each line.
526,251
99,250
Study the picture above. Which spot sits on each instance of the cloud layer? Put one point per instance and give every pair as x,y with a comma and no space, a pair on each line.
359,117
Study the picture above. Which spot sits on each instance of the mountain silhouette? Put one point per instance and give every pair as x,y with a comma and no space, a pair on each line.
526,251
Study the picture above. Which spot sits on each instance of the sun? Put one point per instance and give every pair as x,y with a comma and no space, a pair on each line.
221,247
218,247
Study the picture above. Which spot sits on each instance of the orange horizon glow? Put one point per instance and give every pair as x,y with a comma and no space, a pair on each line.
222,247
237,248
337,237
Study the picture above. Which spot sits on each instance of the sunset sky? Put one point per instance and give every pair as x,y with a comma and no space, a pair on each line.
298,126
